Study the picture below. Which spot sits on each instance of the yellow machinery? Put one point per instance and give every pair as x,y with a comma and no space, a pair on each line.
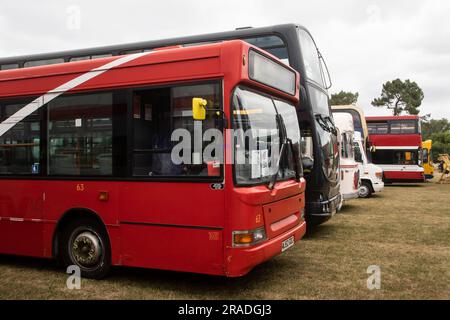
444,160
427,159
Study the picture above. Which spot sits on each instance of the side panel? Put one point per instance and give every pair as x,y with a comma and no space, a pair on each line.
175,226
21,225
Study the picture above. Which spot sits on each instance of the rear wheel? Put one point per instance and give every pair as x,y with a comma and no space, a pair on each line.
365,190
86,245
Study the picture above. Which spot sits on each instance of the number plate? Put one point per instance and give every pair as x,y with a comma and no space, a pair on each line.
286,244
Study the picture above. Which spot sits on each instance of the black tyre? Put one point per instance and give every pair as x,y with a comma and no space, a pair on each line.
85,243
365,190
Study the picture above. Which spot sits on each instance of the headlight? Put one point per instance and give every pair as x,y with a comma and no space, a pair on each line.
379,175
248,238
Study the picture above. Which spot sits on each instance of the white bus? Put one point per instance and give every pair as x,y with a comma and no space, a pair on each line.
349,168
371,174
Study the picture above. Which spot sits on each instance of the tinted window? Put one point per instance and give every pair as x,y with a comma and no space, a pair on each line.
403,127
310,57
37,63
319,101
395,157
20,147
89,57
425,155
80,135
157,114
377,128
272,44
358,154
9,66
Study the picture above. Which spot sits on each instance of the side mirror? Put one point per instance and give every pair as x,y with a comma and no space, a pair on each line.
199,109
308,164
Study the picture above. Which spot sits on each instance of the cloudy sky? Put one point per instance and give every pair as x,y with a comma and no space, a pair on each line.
365,43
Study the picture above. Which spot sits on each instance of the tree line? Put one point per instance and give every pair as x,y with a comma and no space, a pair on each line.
405,97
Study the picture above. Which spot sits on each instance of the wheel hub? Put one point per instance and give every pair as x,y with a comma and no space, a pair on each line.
87,249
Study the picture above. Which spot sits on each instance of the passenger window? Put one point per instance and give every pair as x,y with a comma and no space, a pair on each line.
20,147
377,128
80,135
37,63
9,66
403,127
162,121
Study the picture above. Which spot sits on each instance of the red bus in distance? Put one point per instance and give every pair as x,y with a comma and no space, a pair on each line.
396,147
87,172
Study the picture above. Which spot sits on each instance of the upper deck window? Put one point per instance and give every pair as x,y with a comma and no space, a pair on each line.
9,66
403,127
310,57
89,57
272,44
37,63
378,127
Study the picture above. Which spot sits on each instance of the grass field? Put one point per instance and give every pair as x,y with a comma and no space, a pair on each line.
405,231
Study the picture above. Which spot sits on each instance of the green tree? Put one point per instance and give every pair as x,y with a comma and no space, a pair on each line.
344,98
433,126
441,143
400,96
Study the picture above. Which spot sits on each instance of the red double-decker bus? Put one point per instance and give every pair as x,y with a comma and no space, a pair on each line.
90,169
396,147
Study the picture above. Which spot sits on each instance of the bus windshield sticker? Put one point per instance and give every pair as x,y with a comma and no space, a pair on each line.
264,158
255,160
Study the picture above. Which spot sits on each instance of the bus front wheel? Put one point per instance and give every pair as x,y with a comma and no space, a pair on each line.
85,244
365,190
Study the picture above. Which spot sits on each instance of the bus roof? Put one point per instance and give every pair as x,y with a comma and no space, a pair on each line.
390,118
41,79
359,110
119,49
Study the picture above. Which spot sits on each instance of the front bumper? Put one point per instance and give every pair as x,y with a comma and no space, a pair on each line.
378,186
321,211
349,196
239,261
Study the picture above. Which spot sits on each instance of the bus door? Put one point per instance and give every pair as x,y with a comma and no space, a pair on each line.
176,205
21,201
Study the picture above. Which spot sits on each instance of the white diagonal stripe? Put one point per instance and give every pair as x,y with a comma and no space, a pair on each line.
6,125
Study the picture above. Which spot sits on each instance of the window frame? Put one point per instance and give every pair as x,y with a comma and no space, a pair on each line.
41,115
130,134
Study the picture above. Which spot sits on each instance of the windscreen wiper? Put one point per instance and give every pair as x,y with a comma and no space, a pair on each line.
333,126
286,141
323,124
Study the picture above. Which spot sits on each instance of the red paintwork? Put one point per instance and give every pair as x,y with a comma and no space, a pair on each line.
400,140
404,176
388,118
42,203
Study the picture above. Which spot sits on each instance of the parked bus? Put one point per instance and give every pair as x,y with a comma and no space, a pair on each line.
427,159
359,120
92,172
294,45
349,168
371,175
396,147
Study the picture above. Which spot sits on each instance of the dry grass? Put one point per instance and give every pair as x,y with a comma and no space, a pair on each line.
405,230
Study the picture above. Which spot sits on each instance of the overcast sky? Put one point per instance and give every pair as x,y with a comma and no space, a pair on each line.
365,43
